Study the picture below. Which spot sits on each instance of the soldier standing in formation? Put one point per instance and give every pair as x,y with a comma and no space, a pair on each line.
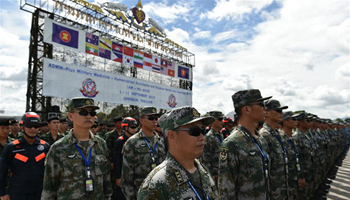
24,158
15,133
181,175
210,157
77,166
277,150
244,162
141,153
53,135
4,134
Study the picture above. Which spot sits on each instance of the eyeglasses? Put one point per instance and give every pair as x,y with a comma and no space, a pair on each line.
194,131
133,127
151,118
31,126
220,118
261,104
85,113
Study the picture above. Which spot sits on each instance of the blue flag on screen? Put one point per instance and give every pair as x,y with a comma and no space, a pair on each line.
183,72
65,36
92,39
104,53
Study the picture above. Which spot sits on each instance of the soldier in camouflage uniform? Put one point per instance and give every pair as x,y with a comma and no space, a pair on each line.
77,165
277,150
4,134
15,134
210,157
244,163
141,153
53,135
181,175
110,138
295,178
306,154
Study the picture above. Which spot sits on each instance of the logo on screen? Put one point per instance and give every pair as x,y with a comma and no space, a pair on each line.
89,88
172,101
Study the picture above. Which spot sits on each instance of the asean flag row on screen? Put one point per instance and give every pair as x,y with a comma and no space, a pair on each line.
82,41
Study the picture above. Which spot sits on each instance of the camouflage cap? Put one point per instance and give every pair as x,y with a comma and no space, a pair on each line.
272,104
289,115
216,114
302,115
180,117
80,102
148,110
246,97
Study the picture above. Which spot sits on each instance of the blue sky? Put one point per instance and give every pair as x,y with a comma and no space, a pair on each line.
296,51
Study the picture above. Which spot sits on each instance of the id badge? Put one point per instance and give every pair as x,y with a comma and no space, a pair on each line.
89,185
153,165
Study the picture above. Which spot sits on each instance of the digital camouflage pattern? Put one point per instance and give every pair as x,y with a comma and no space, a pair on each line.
65,170
169,181
19,135
278,176
137,162
294,174
306,154
245,97
48,137
216,114
210,157
241,167
80,102
180,117
148,110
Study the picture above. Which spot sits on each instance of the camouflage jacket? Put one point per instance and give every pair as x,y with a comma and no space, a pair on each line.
65,170
110,138
293,166
279,162
48,137
241,167
137,162
304,145
210,157
19,135
169,181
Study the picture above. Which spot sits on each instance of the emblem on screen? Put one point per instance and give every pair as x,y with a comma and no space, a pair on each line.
172,101
89,88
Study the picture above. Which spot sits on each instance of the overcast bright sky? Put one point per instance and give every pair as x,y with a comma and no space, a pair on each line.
294,50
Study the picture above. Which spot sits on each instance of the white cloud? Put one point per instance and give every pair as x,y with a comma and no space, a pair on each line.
202,34
230,9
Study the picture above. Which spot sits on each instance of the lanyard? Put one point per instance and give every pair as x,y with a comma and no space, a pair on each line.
87,162
296,154
149,146
284,149
195,191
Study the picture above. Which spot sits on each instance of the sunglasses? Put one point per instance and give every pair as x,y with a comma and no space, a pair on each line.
133,127
85,113
194,131
151,118
32,126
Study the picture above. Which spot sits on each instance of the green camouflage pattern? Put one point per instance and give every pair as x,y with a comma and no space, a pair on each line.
274,104
246,97
79,102
137,162
180,117
278,176
293,175
148,110
216,114
19,135
48,137
169,181
65,170
306,156
210,156
241,168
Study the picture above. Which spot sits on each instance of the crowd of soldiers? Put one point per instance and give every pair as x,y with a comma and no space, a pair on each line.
263,153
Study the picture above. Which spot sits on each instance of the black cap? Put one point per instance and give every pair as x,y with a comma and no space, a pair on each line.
63,120
273,104
53,118
5,122
117,119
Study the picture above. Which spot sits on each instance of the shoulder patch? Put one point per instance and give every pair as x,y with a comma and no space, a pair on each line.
42,142
15,142
223,154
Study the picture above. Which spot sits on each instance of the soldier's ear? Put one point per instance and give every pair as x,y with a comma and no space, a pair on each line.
171,136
